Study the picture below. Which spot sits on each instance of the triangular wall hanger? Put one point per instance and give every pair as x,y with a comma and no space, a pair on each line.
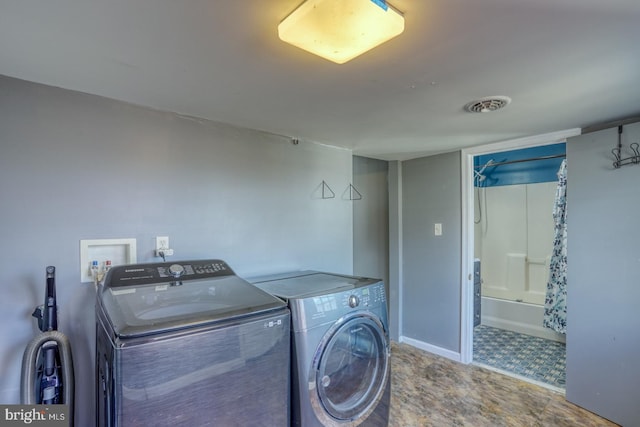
327,192
353,193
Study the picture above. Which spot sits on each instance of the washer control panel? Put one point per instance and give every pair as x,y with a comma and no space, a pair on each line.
364,297
341,303
144,274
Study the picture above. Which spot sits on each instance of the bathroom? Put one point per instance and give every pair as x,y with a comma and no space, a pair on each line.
514,198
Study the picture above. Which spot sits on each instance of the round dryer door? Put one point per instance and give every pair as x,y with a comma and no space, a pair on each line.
350,370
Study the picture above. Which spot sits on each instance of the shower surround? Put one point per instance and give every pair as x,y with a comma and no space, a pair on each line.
513,240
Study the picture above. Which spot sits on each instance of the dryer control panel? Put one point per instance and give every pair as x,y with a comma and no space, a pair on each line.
320,309
365,297
163,272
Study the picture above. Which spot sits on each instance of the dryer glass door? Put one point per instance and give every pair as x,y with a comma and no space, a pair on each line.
352,370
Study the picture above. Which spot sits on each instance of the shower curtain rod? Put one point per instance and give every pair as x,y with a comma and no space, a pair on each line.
508,162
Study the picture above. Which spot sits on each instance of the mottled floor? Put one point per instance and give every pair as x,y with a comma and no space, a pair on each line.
531,357
428,390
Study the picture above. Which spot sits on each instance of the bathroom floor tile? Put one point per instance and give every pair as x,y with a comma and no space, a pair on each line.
531,357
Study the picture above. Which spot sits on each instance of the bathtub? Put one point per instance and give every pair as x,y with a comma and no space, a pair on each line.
516,316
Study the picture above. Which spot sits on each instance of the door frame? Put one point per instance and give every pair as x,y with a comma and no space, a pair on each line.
467,206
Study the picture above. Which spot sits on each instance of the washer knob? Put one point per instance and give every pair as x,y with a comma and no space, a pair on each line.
353,301
176,270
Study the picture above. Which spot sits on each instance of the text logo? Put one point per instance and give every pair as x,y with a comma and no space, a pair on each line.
34,415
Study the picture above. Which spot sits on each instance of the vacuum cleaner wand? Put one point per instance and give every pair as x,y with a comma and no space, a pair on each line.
50,320
47,314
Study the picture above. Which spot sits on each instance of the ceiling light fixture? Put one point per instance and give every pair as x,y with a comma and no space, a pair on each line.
340,30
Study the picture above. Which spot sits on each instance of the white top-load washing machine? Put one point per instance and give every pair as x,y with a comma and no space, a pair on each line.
190,344
341,355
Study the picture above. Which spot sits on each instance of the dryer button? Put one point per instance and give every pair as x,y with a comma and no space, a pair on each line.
353,301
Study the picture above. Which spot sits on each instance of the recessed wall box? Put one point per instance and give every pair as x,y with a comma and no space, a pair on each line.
118,251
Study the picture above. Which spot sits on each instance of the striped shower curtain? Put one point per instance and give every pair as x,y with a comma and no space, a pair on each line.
555,303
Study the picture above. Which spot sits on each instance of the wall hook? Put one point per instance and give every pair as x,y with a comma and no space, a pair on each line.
617,153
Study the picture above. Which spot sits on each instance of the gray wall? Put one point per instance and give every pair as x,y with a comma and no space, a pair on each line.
431,267
75,166
371,219
603,289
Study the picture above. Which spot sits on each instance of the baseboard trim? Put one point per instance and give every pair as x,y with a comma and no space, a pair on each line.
456,357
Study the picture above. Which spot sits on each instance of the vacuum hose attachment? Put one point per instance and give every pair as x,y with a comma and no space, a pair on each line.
32,373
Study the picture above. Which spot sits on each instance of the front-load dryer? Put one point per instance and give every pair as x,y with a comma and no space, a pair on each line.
340,344
190,344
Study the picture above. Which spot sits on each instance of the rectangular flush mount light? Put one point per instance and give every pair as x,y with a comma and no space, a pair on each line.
340,30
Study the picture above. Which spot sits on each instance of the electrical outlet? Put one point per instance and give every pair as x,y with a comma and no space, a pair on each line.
162,243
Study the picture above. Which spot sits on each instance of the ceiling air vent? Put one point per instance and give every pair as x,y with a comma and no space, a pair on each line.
488,104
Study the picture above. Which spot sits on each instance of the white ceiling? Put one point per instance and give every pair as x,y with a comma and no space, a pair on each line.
565,63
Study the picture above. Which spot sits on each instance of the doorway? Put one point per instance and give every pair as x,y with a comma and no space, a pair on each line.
524,275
